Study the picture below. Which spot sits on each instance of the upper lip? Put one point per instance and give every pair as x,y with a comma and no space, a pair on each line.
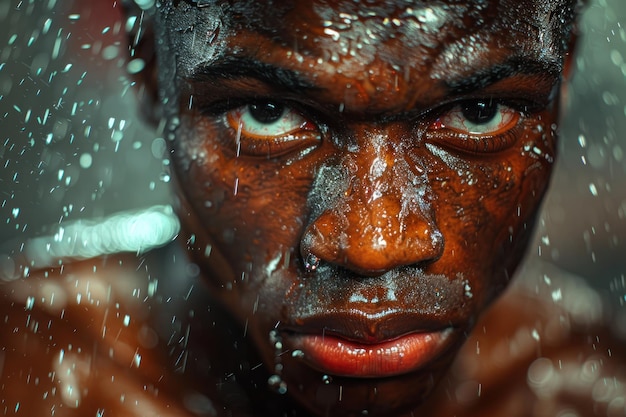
376,309
366,327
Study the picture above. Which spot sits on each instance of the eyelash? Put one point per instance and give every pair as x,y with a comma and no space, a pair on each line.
310,136
232,115
477,143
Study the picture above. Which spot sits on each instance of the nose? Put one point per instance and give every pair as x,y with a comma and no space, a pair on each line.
381,220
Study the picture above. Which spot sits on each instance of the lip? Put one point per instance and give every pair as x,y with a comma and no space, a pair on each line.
339,356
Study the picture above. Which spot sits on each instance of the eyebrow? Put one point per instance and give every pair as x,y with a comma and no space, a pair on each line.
515,66
235,68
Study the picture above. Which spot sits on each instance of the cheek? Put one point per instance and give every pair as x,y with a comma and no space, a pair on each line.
253,210
526,176
486,208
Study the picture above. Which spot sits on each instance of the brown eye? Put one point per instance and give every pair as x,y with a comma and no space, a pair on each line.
479,118
271,129
265,120
480,112
477,126
266,113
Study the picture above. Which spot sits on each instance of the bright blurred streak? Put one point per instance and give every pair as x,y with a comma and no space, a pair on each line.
129,231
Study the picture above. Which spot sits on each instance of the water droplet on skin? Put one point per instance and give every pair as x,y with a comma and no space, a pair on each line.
468,290
311,263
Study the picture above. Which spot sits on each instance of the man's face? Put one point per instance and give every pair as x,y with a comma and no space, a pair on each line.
362,177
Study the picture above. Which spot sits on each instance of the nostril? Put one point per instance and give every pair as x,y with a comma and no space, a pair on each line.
319,243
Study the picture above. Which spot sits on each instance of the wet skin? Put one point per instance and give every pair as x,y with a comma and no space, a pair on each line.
360,180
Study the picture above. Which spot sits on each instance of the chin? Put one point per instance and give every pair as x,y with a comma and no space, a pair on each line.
344,372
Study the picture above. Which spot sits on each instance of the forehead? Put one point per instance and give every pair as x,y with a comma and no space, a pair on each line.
313,27
450,39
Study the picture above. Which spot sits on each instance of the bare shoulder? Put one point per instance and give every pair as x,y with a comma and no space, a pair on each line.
75,341
79,340
549,347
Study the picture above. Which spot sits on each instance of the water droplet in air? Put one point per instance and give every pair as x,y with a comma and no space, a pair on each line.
276,383
86,160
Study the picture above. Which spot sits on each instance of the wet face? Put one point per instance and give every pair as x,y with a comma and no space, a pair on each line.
361,179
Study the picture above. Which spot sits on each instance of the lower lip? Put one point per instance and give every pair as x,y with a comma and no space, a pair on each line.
340,357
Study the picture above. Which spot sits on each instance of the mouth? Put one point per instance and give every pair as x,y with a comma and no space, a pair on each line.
339,356
383,327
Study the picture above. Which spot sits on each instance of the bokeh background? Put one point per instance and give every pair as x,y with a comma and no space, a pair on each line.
73,146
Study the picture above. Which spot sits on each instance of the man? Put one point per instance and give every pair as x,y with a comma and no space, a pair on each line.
358,182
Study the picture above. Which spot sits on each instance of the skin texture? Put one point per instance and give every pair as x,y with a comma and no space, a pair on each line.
91,343
411,222
373,208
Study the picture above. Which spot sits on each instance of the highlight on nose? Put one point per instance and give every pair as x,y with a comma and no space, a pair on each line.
371,238
371,209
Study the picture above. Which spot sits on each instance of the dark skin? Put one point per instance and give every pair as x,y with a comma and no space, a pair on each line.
416,206
357,185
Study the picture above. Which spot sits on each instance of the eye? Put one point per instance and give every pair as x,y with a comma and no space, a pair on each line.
477,126
480,118
271,129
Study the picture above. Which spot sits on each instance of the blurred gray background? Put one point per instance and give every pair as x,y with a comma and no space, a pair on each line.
72,145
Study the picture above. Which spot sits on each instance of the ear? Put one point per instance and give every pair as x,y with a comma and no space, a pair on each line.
142,63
